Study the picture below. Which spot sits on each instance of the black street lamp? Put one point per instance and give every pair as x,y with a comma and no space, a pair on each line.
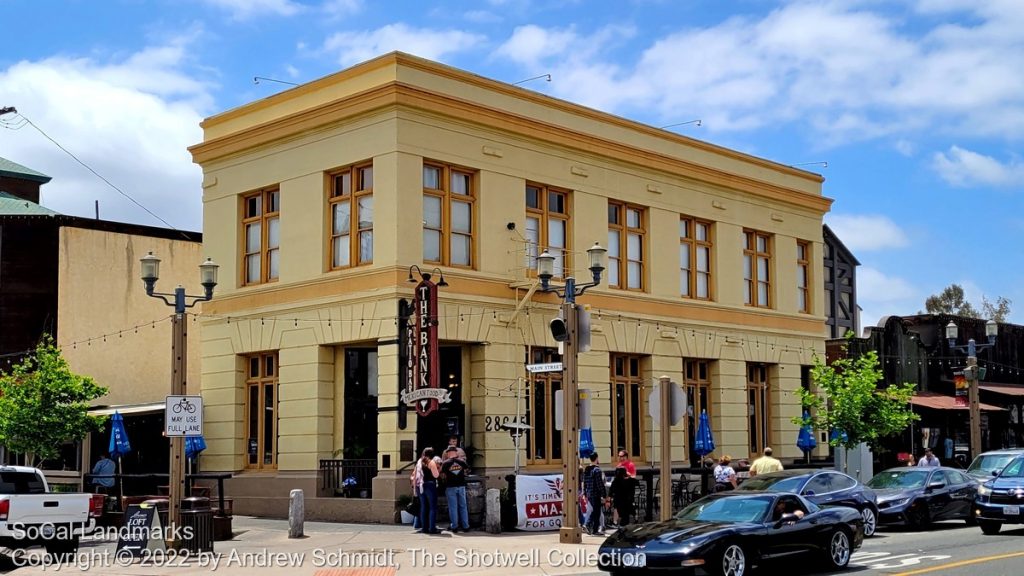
973,374
179,354
427,276
565,330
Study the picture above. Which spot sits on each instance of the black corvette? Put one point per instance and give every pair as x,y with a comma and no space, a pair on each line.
823,487
728,532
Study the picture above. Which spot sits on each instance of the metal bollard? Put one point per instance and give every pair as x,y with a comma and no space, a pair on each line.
492,514
296,513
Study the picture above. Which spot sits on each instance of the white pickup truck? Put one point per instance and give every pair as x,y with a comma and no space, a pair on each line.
31,515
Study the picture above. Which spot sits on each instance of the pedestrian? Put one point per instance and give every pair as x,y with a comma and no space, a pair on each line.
416,479
454,471
725,476
596,492
765,463
428,498
453,442
929,460
622,494
625,462
103,474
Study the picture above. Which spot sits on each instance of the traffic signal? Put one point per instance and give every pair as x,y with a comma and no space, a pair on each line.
559,330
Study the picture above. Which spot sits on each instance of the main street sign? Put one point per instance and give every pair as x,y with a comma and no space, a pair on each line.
183,416
544,367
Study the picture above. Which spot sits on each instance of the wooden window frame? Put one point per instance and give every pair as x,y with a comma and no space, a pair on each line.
757,383
695,387
544,215
263,219
357,191
539,355
692,244
261,381
629,381
803,266
753,282
447,200
622,261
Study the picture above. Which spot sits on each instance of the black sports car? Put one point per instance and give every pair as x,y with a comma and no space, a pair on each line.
823,487
916,496
726,533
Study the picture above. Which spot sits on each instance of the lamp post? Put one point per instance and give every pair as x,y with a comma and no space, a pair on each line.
971,373
570,532
179,354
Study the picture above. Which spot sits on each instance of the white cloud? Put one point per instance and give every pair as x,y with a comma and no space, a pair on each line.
867,232
245,9
481,17
962,167
130,120
530,44
338,8
880,295
354,47
905,147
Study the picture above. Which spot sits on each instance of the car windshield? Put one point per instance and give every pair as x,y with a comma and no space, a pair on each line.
1014,469
900,479
774,483
727,509
985,465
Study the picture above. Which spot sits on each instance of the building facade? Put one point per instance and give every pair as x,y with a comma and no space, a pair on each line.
323,202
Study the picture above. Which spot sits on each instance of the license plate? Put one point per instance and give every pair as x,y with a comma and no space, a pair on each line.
1011,510
633,560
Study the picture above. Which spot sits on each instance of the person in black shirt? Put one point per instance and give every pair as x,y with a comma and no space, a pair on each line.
454,470
622,493
594,488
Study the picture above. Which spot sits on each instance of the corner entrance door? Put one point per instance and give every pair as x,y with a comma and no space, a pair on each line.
449,419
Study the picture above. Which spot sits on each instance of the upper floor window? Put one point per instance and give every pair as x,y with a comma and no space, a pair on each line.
448,229
694,258
626,231
351,205
547,226
757,256
261,226
803,276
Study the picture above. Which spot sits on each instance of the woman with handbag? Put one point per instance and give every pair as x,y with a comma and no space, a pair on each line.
428,494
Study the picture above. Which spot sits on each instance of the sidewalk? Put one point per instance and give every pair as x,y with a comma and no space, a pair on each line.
262,545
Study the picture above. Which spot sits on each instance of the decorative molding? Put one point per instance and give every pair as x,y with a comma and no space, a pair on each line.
668,335
653,188
776,217
579,171
209,182
717,204
492,151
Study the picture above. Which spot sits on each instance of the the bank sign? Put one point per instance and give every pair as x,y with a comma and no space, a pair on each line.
422,375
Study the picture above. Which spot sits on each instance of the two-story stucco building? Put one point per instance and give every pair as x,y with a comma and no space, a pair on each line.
318,200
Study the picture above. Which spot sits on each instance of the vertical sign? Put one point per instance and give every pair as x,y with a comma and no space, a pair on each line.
960,385
422,356
405,351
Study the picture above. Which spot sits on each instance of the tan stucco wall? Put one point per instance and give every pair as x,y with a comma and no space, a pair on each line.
101,295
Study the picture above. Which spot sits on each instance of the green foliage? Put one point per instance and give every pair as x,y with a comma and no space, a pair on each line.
849,400
43,404
952,301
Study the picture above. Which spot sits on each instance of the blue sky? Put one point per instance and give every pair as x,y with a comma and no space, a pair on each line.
917,106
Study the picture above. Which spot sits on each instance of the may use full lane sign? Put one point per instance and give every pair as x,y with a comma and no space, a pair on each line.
183,416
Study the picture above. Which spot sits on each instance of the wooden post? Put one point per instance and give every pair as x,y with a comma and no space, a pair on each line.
176,485
665,390
974,399
570,532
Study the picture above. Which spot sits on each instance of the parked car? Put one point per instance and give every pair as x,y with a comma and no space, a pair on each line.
823,487
726,533
989,464
31,515
1000,499
917,496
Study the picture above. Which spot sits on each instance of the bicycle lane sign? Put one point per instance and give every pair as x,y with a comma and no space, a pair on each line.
183,416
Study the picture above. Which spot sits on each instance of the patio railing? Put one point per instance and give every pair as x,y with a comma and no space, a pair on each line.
351,477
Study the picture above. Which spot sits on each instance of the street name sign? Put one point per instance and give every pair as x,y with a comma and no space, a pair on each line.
183,416
545,367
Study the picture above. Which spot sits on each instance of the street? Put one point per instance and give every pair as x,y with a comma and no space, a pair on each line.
948,548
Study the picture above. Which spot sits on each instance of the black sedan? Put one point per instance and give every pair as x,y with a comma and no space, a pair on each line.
727,533
916,496
823,487
1001,499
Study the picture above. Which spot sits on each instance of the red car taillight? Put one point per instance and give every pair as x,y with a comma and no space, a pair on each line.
96,504
5,509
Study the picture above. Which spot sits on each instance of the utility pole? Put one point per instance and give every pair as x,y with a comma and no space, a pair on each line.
179,356
972,375
665,391
570,532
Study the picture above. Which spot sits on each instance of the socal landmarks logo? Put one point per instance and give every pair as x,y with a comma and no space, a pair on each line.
422,372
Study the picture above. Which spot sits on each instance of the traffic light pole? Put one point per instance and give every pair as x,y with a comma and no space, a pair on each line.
570,532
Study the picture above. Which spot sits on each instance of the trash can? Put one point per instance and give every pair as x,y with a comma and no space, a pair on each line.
197,525
161,505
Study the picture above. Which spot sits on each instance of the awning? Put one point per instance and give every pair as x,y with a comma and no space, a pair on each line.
128,409
1007,389
942,402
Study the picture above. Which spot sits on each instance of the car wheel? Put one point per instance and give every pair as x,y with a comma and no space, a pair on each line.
918,517
989,527
870,521
62,549
839,549
732,562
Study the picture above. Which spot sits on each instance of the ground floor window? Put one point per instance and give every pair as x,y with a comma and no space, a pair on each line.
627,405
758,426
543,442
261,410
697,386
360,403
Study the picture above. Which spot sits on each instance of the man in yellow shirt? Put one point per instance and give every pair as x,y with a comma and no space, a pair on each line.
765,464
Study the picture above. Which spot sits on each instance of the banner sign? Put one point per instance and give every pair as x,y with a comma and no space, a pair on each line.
422,371
960,384
539,502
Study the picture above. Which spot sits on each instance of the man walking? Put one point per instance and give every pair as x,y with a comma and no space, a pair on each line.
454,471
929,460
765,464
596,492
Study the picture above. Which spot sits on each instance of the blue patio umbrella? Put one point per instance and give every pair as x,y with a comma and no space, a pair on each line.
805,439
586,443
119,444
703,441
193,446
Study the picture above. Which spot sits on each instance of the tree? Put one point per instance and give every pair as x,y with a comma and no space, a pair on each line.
43,404
850,402
952,301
